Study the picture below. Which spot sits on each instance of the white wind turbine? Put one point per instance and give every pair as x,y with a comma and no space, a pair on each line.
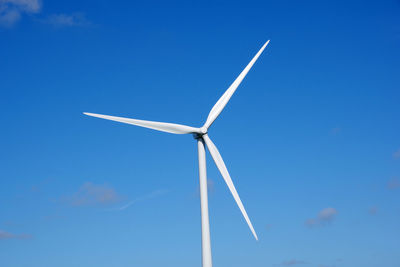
201,135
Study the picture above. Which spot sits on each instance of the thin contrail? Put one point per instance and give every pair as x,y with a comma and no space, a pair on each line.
151,195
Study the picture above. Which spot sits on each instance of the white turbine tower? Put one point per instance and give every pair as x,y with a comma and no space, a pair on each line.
201,135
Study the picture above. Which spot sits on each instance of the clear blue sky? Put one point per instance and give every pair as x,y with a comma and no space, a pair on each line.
311,137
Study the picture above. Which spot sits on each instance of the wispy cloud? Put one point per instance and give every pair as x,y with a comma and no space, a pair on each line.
92,194
336,130
11,11
291,262
210,187
394,183
68,20
373,210
54,217
151,195
396,154
7,235
324,217
39,186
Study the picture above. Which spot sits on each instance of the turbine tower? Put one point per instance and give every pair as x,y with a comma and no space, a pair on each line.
201,135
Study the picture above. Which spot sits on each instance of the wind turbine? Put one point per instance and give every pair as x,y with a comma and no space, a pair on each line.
201,135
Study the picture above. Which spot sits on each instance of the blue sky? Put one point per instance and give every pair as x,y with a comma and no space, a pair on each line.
311,137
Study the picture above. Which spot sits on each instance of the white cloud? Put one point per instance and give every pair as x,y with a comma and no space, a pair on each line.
92,194
396,154
12,10
30,6
292,262
6,235
393,184
324,217
336,130
327,214
373,210
66,20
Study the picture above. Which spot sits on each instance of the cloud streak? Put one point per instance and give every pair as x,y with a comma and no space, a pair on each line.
94,194
396,154
336,130
151,195
7,235
373,210
11,11
291,262
393,184
68,20
324,217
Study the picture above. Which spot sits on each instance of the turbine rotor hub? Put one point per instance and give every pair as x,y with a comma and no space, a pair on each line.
198,135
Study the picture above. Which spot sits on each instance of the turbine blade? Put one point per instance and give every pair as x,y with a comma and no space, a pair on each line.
221,103
225,174
159,126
